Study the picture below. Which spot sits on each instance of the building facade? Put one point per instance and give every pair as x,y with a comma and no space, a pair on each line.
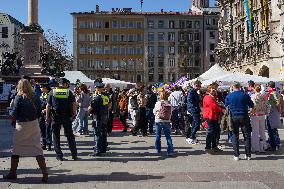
250,37
10,38
146,47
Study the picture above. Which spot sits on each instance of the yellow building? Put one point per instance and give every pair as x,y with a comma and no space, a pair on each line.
109,44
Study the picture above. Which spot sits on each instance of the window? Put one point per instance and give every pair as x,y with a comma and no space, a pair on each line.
161,36
123,50
106,38
82,24
212,35
98,64
150,24
212,47
139,25
82,49
139,64
150,49
150,62
98,37
139,37
207,21
190,37
161,24
114,24
161,62
182,24
171,62
107,64
151,77
161,77
131,50
139,50
131,64
81,37
90,24
171,36
197,36
123,37
131,24
107,24
190,49
172,77
151,36
182,37
123,64
99,50
114,50
197,49
189,63
90,50
90,37
139,77
81,64
171,24
197,62
114,37
131,37
161,51
189,24
91,63
114,64
212,58
123,24
98,24
171,49
214,22
197,24
107,50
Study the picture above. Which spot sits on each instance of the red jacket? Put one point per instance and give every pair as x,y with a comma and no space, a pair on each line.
210,108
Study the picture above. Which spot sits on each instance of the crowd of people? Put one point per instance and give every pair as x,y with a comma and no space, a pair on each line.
39,116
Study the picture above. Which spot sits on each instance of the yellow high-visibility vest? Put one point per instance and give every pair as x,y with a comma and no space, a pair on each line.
105,98
61,93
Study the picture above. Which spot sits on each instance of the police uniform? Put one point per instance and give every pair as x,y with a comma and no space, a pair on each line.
61,101
99,105
45,129
110,110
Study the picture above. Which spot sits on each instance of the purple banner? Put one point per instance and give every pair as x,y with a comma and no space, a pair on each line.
179,82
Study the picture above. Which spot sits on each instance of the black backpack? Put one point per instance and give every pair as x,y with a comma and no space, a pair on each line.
151,99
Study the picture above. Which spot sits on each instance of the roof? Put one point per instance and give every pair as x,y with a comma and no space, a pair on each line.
72,76
7,19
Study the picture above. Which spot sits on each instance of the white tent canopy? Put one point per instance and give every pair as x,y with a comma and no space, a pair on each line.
226,78
72,76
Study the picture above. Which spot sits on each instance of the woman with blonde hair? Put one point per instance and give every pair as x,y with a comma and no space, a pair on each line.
26,141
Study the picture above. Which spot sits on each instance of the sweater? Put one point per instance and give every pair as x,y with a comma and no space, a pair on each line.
210,108
239,102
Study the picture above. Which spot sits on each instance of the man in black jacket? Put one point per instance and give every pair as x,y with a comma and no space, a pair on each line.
151,99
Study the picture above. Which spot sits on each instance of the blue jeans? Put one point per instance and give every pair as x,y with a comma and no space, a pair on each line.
242,122
151,119
195,125
166,127
274,140
83,120
100,136
211,135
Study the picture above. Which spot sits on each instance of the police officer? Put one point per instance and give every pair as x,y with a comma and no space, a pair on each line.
111,107
61,107
99,109
45,128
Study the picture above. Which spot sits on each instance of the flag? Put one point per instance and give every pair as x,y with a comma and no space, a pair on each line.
248,4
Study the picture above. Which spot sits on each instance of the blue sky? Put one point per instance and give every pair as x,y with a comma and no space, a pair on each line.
55,14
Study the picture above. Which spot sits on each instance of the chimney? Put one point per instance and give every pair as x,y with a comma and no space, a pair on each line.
97,8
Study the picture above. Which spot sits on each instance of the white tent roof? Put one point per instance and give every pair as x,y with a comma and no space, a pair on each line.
72,76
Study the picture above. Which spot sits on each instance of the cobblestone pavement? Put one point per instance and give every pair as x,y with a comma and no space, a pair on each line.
132,162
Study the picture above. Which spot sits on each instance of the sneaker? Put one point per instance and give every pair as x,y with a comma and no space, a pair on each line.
209,151
189,140
49,148
43,147
248,158
78,134
217,149
236,158
170,154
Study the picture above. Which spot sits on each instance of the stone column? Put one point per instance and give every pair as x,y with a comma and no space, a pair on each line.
32,12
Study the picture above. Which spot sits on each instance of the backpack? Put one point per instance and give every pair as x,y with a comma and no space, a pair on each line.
165,111
151,99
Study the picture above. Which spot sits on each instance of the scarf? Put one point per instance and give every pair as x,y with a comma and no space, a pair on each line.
269,92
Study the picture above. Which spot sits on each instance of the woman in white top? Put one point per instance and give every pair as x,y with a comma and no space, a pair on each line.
162,113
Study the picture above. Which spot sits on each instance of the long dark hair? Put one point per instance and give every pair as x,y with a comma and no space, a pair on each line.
84,88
